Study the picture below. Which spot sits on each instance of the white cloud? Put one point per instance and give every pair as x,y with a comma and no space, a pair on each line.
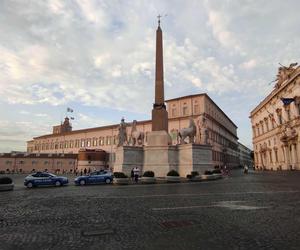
218,23
249,64
96,53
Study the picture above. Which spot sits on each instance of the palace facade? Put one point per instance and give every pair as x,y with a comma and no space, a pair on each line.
276,124
222,132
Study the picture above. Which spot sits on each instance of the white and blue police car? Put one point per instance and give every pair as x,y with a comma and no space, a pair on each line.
44,179
96,177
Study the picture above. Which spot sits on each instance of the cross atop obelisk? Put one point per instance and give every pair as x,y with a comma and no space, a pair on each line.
159,112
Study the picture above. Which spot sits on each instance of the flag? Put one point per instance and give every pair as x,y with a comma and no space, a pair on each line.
70,110
287,101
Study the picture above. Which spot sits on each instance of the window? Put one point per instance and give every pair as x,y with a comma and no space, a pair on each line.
94,142
82,144
196,109
101,141
185,110
298,107
280,118
108,140
173,112
272,120
88,143
288,114
267,124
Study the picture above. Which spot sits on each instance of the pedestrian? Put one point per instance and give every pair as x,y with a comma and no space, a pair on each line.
81,172
85,171
225,170
136,172
89,171
245,169
76,172
132,174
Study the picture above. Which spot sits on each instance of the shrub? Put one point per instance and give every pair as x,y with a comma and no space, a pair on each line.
5,180
189,176
194,173
148,174
208,172
172,173
120,175
216,171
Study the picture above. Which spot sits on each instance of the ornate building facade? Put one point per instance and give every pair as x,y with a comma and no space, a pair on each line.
276,124
221,132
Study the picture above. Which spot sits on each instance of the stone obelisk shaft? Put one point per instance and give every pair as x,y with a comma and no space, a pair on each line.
159,112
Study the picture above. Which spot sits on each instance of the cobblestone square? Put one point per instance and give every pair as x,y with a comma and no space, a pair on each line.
255,211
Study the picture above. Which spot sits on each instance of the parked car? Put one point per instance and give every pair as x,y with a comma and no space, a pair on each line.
44,179
6,184
97,177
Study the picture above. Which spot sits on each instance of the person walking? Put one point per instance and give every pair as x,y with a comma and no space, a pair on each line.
81,172
245,169
136,172
132,174
85,171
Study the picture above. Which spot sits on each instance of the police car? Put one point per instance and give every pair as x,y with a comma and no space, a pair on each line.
44,179
97,177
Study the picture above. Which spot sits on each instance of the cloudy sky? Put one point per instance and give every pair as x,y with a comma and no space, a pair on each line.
97,57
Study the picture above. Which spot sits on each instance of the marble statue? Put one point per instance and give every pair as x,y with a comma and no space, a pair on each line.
284,73
122,135
203,131
188,132
137,137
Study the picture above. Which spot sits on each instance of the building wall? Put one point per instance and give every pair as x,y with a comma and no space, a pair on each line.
222,131
245,156
25,162
275,128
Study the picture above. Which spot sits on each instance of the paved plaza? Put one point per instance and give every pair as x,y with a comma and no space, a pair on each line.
255,211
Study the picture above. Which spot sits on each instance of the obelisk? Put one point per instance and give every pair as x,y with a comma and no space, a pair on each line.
159,112
159,135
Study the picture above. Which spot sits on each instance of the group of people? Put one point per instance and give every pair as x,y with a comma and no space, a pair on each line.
135,172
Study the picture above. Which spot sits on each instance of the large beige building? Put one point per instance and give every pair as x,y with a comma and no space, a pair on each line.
222,132
18,162
276,124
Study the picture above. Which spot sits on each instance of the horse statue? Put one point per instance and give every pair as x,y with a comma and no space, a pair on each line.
137,137
188,132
